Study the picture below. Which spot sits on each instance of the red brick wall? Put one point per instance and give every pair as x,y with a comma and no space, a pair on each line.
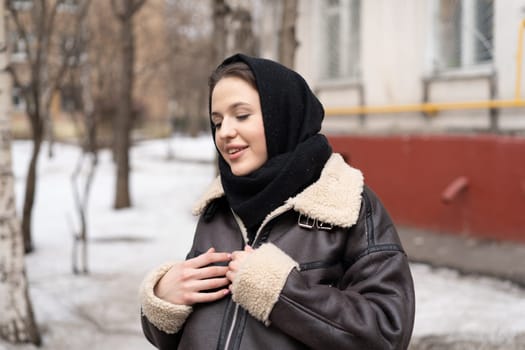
410,174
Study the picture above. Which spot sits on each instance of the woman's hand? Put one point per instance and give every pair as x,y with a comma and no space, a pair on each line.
237,258
185,282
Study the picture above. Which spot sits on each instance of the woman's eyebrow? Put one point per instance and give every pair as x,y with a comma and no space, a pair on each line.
239,104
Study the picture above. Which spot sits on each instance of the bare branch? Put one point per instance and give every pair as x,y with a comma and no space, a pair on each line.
136,5
128,9
74,49
14,75
50,25
121,15
20,29
68,52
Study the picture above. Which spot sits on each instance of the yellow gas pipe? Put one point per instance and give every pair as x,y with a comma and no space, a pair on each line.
433,107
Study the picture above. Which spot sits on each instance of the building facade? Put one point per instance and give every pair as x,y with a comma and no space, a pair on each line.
425,96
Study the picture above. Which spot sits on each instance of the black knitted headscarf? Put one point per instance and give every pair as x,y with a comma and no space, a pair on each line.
297,152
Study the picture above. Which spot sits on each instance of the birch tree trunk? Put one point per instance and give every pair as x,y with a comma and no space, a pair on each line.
17,323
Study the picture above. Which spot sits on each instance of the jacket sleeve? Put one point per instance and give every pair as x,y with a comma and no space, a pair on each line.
161,321
371,307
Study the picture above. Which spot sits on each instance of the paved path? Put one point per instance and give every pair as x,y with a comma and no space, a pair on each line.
478,303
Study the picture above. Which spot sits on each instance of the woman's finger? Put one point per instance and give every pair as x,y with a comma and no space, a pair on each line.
230,275
237,254
233,265
209,297
206,285
207,258
209,272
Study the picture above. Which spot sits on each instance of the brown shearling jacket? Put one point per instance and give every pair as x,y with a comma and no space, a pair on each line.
328,272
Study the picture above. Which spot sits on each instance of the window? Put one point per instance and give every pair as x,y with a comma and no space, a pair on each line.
484,30
341,32
463,33
68,5
18,47
22,4
17,100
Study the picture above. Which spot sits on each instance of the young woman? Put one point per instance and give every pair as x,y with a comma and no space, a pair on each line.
292,250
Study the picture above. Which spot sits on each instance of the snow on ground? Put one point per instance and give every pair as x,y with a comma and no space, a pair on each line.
100,311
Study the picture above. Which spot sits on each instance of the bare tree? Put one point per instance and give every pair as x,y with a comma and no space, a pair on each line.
85,126
105,64
99,74
81,199
189,40
17,322
240,31
39,76
287,40
124,11
232,30
220,10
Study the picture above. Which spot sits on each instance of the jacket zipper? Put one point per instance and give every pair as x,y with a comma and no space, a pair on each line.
232,326
254,245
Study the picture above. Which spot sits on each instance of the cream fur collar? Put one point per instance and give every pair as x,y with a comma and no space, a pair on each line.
335,198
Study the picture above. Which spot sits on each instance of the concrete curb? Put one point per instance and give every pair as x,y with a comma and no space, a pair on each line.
469,255
462,342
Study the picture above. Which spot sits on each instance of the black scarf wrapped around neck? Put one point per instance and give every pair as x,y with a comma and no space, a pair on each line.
297,152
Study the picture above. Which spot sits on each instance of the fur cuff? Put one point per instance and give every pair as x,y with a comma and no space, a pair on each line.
260,280
166,316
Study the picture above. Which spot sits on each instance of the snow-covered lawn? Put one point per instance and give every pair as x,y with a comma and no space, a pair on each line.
100,311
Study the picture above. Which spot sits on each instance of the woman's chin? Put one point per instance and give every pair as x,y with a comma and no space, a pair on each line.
240,171
243,170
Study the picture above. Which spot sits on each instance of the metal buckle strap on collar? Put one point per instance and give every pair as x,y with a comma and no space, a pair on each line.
324,226
309,223
306,222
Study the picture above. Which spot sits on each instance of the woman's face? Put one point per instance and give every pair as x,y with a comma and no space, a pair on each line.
239,130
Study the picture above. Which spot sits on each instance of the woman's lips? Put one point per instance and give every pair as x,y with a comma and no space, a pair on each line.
235,152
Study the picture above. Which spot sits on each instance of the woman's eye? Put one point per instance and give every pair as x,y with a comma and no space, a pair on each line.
217,125
242,117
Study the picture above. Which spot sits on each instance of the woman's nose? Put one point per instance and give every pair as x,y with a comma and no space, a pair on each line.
227,129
